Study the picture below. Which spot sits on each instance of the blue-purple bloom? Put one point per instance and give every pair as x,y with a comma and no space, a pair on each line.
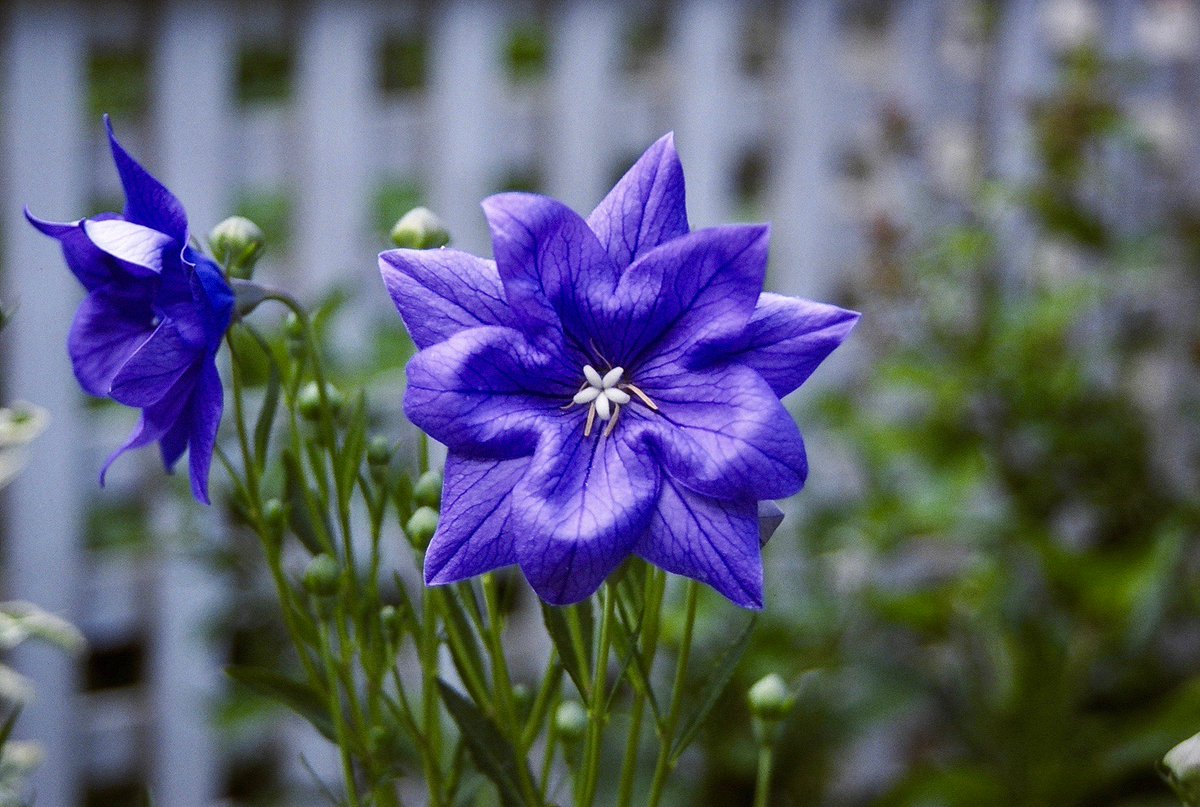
607,387
156,310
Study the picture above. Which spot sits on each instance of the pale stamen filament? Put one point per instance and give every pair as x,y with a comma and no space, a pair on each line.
605,395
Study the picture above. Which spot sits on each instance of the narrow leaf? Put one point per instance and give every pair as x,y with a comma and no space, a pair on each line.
717,678
464,645
354,449
493,753
296,695
299,516
266,417
574,655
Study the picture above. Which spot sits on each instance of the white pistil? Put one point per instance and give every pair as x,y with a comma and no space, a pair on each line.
606,395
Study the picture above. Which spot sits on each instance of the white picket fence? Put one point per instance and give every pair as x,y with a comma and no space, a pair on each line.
825,76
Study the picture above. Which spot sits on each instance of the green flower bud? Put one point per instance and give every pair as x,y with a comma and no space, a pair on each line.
379,451
419,228
393,623
323,577
570,721
1182,768
770,700
293,328
421,527
428,490
274,514
309,401
237,243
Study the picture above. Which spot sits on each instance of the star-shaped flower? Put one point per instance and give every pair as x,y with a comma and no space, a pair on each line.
608,387
148,332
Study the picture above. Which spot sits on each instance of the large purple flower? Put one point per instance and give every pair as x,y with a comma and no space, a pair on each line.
608,386
148,332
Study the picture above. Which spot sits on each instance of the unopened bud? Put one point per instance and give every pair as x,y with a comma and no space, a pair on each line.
309,401
323,577
421,527
428,490
379,451
770,700
273,513
420,228
570,721
237,243
1181,766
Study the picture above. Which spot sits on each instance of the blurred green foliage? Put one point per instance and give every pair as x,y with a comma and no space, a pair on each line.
998,608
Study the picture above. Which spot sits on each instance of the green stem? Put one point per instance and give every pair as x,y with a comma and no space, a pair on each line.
335,709
430,698
502,683
597,703
663,764
762,784
629,763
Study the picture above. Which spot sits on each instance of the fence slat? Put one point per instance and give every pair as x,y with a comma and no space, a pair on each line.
43,100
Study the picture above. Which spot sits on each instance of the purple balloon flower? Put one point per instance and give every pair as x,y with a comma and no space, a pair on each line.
148,332
608,387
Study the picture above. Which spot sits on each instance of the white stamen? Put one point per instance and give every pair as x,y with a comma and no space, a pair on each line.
586,395
612,377
589,372
603,411
615,395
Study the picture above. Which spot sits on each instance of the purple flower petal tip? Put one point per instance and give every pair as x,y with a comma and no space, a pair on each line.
148,332
609,386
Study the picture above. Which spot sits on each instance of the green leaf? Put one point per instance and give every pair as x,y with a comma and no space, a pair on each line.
574,646
300,517
266,416
625,638
464,644
353,451
493,753
295,695
717,678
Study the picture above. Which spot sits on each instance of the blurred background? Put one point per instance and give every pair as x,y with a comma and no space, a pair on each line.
986,595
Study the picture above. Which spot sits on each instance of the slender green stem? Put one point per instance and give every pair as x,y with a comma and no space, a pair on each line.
663,764
502,684
598,703
629,763
335,709
430,697
762,784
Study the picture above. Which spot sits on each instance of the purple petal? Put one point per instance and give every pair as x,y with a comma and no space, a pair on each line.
557,277
473,534
91,265
138,248
207,402
581,508
706,539
174,443
722,432
646,208
147,201
700,286
157,419
440,292
152,370
213,298
786,339
106,331
486,391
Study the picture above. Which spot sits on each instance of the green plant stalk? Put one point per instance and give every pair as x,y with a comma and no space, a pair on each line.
502,683
431,713
762,783
633,743
597,703
333,690
663,765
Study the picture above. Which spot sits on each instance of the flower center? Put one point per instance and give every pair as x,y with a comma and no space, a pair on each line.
605,395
